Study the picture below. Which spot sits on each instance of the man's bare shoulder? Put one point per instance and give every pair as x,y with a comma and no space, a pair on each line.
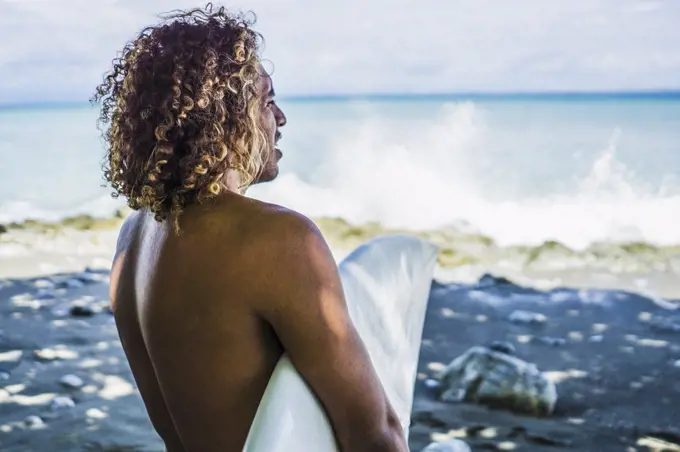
266,227
127,231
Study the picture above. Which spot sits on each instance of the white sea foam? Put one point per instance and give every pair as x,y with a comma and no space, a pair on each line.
437,180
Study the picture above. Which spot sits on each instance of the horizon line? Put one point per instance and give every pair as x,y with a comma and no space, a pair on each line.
536,95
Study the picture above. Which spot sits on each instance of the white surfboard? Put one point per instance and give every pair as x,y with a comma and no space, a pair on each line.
387,282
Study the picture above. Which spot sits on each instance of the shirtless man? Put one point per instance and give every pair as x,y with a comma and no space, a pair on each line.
209,287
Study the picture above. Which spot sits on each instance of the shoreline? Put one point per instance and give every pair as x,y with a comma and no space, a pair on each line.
34,247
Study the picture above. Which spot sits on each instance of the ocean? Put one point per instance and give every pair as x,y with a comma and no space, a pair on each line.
519,169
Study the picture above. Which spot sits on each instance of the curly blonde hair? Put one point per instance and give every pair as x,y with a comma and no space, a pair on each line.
179,107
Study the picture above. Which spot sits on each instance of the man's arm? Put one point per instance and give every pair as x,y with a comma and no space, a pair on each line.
305,304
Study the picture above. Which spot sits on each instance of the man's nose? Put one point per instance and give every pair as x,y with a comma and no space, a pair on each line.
281,119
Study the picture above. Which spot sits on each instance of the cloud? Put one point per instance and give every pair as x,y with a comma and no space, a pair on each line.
57,50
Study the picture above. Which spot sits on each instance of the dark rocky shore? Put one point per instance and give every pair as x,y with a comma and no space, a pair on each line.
614,357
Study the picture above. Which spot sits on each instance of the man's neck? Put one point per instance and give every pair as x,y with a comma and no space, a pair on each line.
232,182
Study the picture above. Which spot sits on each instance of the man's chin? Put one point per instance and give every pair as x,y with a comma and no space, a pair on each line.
268,175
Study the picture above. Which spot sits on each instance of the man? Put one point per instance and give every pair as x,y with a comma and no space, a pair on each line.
209,287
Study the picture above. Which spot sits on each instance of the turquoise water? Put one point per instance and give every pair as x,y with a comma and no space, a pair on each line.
519,168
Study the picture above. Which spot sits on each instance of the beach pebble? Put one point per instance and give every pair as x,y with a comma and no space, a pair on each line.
44,284
44,295
490,378
596,338
4,376
88,277
71,381
645,317
33,422
677,364
11,356
21,299
600,327
81,311
451,445
664,324
490,280
486,298
73,283
561,296
50,354
430,383
575,336
62,402
59,312
503,347
657,445
552,341
527,317
95,413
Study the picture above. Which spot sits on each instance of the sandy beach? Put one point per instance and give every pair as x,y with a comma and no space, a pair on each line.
607,335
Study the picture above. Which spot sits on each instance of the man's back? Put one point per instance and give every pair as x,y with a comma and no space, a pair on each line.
182,303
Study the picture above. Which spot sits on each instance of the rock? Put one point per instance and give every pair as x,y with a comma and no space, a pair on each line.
677,364
62,402
11,356
88,277
73,283
560,296
3,229
491,280
4,376
44,295
428,419
44,284
503,347
71,381
527,317
431,384
51,354
656,444
95,413
547,440
59,311
81,311
451,445
552,341
596,338
664,325
498,380
33,422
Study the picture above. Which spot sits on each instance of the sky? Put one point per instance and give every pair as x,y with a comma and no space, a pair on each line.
58,50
